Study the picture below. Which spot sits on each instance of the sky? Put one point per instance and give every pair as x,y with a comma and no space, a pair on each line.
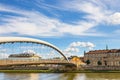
71,25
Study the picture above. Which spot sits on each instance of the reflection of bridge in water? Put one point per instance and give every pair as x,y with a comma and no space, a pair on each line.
9,42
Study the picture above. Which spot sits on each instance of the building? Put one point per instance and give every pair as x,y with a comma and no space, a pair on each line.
103,58
24,56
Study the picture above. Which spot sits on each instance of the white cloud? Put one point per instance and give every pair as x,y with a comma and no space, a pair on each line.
82,44
34,24
40,25
29,51
114,18
95,12
74,47
37,24
3,55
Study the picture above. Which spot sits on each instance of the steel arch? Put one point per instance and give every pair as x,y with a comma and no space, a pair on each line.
24,39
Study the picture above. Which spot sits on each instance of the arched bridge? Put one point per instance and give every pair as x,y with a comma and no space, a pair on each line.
7,61
22,39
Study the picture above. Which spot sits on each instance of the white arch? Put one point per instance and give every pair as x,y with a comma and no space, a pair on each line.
23,39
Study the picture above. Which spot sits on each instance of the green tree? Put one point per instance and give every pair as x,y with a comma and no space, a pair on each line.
88,62
99,63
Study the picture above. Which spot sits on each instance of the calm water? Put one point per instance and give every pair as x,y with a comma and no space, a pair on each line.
61,76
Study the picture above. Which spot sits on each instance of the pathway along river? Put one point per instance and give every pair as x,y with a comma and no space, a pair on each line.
59,76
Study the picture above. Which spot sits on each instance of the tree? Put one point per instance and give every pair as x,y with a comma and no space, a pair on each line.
88,62
99,63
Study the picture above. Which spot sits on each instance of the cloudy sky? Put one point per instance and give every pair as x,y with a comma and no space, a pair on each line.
71,25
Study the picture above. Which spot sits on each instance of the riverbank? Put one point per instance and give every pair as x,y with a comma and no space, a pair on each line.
54,71
26,71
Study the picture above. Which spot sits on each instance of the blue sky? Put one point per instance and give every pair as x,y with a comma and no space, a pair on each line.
71,25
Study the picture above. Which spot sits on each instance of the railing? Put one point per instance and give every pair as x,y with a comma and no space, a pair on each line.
13,62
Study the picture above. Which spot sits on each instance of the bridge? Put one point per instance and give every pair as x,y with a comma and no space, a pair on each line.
13,45
32,62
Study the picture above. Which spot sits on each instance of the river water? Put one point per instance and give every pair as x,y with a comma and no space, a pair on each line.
59,76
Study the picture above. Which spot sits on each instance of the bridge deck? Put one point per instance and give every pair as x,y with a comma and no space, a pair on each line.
29,62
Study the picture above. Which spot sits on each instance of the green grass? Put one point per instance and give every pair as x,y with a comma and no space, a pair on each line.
25,71
32,71
93,71
55,71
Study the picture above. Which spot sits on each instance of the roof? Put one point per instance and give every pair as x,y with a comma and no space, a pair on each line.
103,51
24,55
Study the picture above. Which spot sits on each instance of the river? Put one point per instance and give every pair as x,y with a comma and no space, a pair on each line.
59,76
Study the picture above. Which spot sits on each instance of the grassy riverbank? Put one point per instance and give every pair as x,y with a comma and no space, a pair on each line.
26,71
91,71
54,71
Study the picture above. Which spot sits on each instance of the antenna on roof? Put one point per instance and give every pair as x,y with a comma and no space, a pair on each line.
106,47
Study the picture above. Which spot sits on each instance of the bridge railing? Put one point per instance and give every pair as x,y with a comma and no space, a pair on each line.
8,62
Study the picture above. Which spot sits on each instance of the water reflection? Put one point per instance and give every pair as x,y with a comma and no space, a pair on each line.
73,76
2,76
103,76
59,76
17,76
